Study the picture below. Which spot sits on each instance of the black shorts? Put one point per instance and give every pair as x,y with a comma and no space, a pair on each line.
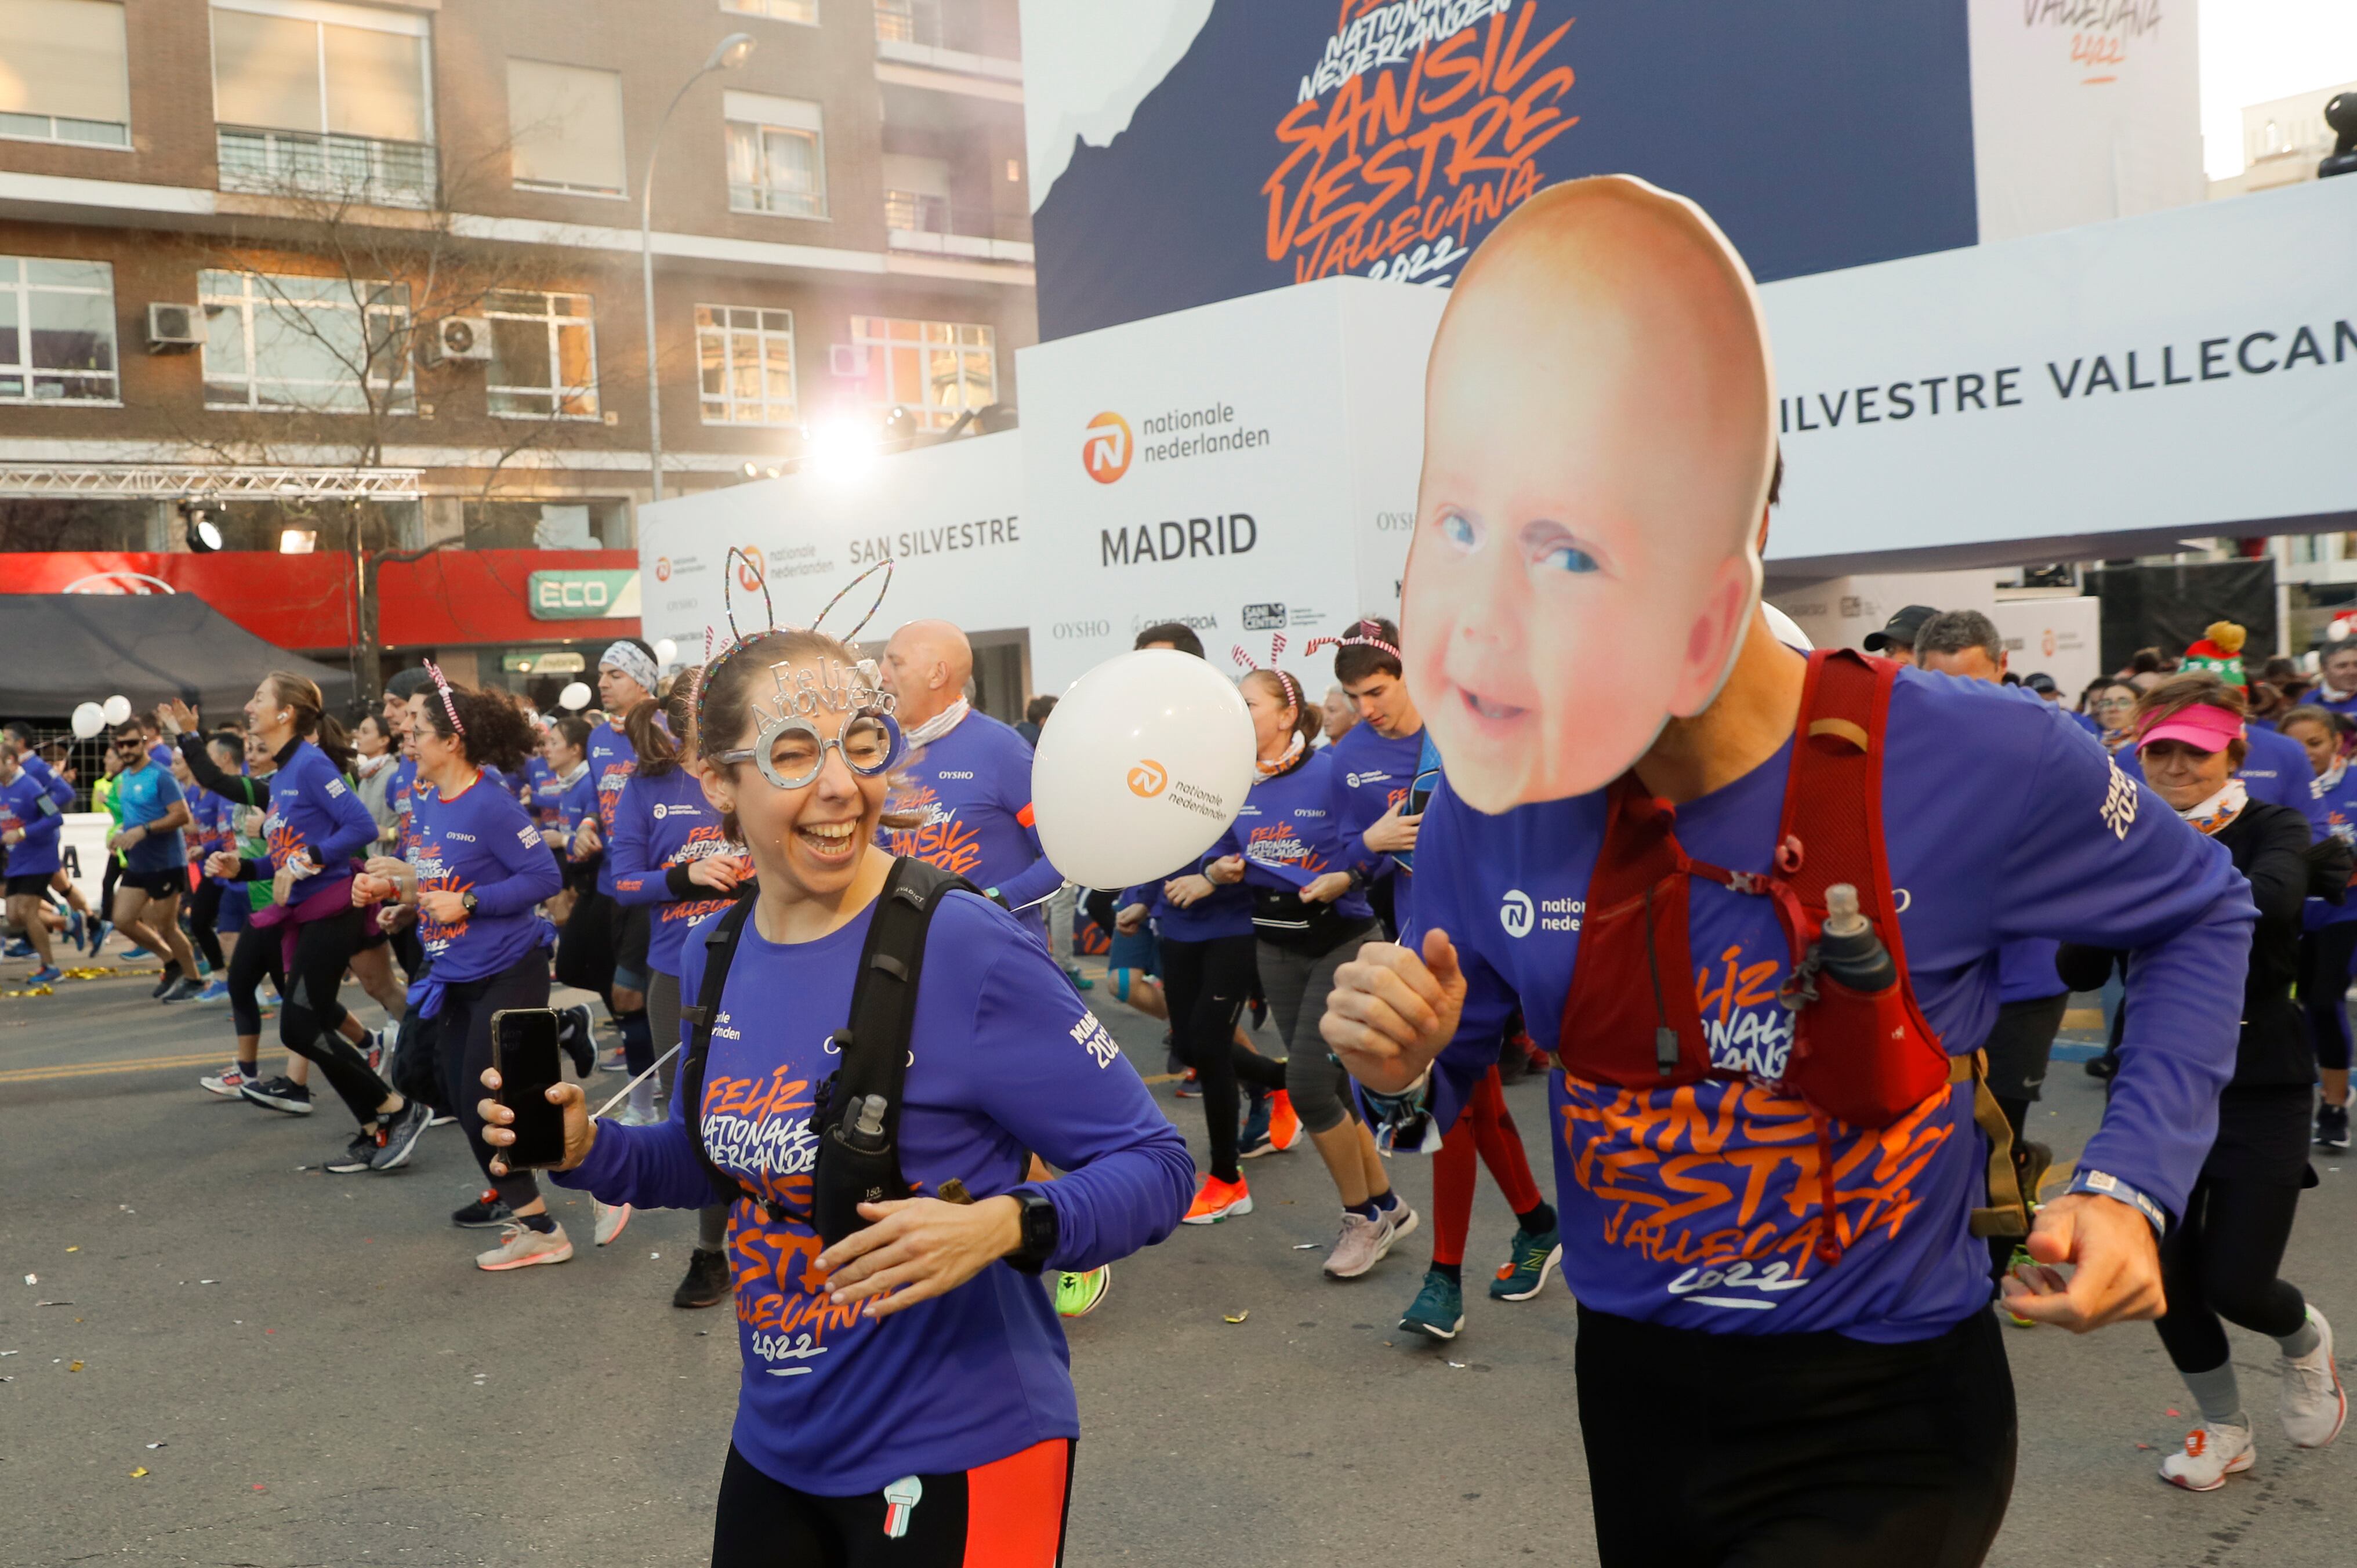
30,885
168,883
632,930
1795,1450
2019,1043
1010,1514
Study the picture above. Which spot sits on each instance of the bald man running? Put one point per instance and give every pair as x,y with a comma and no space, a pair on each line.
968,777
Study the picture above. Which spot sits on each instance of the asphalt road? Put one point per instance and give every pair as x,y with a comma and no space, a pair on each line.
332,1382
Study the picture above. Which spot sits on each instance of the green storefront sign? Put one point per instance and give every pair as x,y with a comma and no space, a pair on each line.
587,595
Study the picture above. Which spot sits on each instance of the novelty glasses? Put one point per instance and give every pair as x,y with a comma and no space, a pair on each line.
791,751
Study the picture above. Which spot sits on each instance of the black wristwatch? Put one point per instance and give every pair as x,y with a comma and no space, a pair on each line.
1040,1231
467,901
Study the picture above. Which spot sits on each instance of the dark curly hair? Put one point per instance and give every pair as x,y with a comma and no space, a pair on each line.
494,735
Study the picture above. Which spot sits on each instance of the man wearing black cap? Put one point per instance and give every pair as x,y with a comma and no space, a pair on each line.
1897,641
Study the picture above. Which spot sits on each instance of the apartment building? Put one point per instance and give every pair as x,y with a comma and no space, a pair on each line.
321,266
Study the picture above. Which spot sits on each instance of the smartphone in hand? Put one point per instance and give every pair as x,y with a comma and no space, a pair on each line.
524,1050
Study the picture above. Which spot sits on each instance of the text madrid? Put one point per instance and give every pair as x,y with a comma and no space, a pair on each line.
1232,533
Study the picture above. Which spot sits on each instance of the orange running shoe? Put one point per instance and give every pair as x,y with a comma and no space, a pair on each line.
1284,1129
1217,1200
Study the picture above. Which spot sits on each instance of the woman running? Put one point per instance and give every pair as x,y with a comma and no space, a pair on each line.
315,825
2111,708
672,860
901,1382
474,869
570,795
2330,942
2220,1260
1309,920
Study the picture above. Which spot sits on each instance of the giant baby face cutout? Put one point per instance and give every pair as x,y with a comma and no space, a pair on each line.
1598,438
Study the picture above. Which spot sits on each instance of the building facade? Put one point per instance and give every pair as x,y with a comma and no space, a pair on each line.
343,272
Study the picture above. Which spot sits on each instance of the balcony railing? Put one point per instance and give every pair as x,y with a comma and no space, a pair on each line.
912,33
931,223
338,167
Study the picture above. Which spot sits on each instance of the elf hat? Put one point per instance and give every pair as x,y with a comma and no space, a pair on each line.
2218,651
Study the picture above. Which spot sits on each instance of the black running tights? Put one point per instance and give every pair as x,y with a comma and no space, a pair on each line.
2221,1261
204,915
462,1049
1207,984
307,1024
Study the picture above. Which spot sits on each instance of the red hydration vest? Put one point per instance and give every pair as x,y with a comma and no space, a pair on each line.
1631,1019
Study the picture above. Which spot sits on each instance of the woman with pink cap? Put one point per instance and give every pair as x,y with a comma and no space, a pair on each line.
2221,1261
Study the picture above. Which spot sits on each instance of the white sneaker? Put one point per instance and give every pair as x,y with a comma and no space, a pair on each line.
2210,1455
611,1219
1360,1247
2314,1403
520,1246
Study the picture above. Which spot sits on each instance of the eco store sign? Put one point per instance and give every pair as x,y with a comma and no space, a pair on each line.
585,594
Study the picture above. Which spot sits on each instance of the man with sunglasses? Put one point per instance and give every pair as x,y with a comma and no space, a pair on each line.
151,811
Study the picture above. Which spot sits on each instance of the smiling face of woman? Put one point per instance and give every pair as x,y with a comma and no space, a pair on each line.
2183,774
2321,744
1273,718
809,841
433,750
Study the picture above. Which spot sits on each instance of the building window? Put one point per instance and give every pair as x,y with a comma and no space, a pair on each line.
62,72
748,361
598,523
330,100
777,155
325,345
935,369
564,128
57,331
803,11
543,355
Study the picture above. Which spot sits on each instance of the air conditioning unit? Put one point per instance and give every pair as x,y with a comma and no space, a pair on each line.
172,327
848,360
458,339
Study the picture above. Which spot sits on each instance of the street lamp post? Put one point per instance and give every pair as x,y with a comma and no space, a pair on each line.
727,55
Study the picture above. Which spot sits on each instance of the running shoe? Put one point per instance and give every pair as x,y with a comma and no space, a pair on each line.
188,988
613,1061
21,947
1360,1247
228,1083
1254,1141
399,1140
216,992
441,1119
1284,1129
280,1093
74,927
96,933
1524,1272
608,1220
489,1210
706,1281
163,985
1187,1089
2314,1403
520,1246
2212,1452
1439,1310
1216,1200
633,1116
1080,982
1077,1296
2332,1126
136,953
573,1032
358,1155
2103,1066
49,974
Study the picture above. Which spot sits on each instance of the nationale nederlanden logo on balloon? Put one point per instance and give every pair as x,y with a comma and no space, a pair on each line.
1148,779
1106,452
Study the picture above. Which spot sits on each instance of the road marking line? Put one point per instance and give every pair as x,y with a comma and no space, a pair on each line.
98,1069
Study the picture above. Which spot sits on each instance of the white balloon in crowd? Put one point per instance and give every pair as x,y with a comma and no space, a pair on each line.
1147,760
575,697
666,652
89,718
116,709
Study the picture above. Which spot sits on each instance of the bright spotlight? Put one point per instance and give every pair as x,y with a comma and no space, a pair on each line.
297,541
841,449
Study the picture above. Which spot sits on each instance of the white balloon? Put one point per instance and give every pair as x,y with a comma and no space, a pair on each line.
88,720
1147,760
666,652
115,710
575,697
1786,630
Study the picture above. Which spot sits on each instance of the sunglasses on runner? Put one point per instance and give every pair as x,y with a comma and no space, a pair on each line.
790,752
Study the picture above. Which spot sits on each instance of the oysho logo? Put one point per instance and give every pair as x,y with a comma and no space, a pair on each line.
1066,630
662,568
1106,452
1148,779
1515,913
